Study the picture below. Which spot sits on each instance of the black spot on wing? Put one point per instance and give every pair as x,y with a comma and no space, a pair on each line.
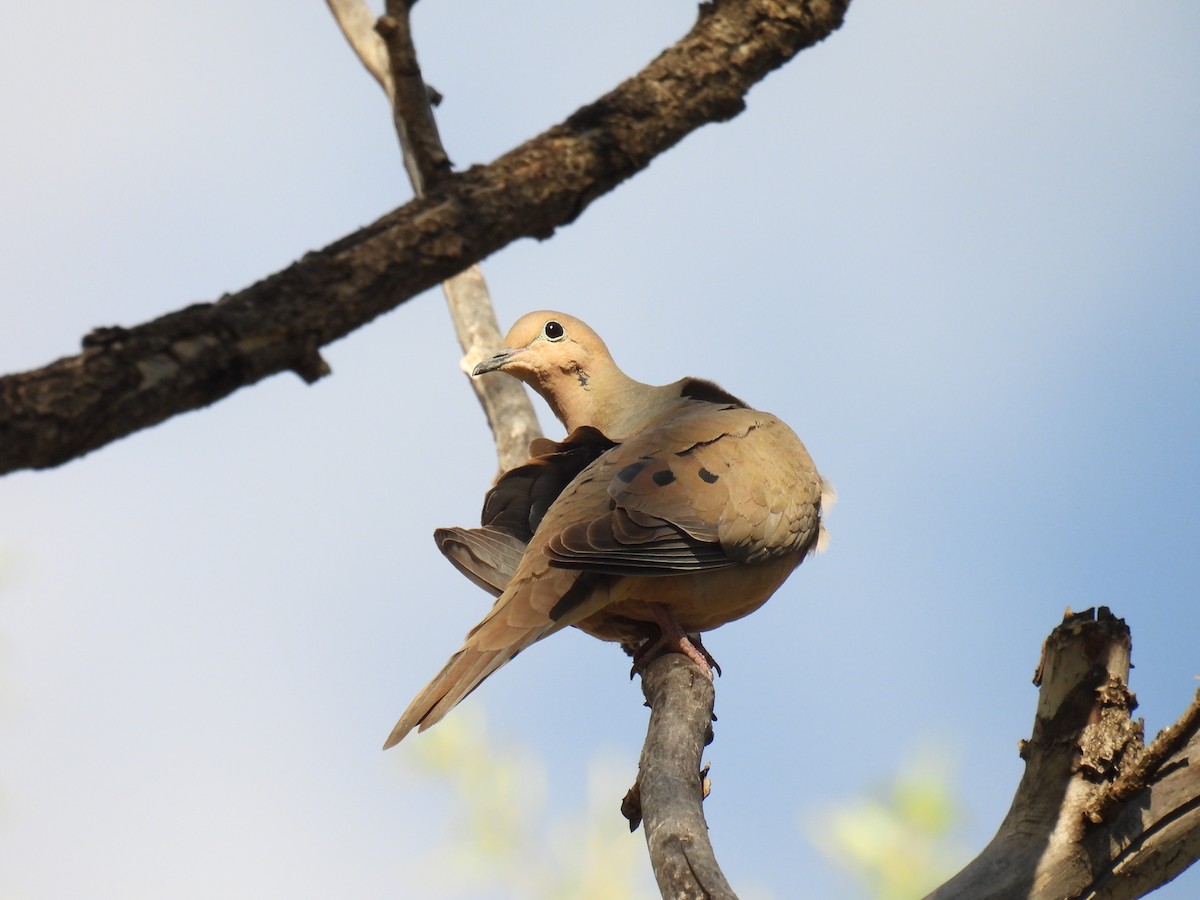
630,472
663,477
708,476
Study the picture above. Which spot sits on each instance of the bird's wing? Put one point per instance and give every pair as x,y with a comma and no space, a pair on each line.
514,507
712,487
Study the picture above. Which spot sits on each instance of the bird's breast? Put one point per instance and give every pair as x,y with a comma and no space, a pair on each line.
701,601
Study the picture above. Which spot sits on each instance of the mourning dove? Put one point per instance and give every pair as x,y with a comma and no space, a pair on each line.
667,510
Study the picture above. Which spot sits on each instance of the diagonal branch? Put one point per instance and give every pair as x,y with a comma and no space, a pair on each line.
424,156
129,379
357,22
386,49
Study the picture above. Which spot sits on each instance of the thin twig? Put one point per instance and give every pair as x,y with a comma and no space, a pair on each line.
504,401
509,413
412,114
358,26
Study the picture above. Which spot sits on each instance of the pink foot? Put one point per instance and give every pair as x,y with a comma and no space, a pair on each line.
673,639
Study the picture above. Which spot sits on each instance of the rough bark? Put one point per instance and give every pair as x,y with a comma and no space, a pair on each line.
127,379
670,789
1096,814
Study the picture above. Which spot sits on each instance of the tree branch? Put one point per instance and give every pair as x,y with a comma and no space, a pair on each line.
357,22
1095,814
670,786
412,113
129,379
387,50
509,412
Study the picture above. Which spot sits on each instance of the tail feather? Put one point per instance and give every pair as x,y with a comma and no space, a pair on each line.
464,672
517,619
484,664
488,556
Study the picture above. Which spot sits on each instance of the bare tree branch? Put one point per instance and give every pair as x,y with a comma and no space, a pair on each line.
504,401
131,378
412,114
1095,814
357,22
670,785
1140,775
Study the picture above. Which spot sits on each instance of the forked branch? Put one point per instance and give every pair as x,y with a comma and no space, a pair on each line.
386,49
1096,814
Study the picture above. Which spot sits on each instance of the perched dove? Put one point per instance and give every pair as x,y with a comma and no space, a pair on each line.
666,511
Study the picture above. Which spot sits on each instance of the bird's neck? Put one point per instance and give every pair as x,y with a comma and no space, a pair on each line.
610,401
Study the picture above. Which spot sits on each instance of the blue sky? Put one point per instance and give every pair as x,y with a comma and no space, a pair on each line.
956,247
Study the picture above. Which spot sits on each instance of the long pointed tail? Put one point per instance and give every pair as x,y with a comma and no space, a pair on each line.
516,620
490,645
465,670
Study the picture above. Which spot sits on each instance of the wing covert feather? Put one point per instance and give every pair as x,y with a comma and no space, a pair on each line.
713,487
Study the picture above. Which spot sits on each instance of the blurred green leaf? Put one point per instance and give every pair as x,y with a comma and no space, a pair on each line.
897,840
499,836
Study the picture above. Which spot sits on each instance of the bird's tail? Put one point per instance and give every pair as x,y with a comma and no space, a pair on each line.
465,670
490,645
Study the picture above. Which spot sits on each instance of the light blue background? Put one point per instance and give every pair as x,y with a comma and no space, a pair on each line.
957,247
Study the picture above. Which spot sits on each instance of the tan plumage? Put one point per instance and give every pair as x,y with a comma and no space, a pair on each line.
678,495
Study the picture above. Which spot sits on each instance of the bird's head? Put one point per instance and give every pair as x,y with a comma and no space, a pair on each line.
561,358
545,344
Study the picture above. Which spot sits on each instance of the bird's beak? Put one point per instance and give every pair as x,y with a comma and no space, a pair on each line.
499,361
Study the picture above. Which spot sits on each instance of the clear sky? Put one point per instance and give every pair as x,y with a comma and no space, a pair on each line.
956,247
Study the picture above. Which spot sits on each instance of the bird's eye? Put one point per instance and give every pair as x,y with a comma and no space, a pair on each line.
553,331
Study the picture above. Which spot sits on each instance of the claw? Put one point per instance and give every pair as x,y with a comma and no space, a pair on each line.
673,639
